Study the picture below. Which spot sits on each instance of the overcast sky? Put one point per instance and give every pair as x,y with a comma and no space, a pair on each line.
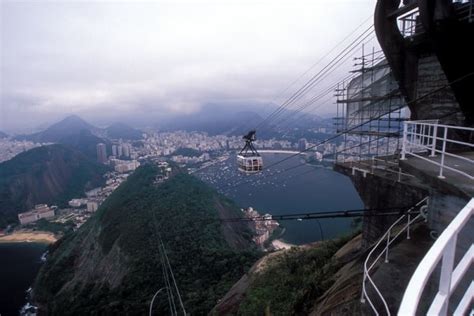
107,59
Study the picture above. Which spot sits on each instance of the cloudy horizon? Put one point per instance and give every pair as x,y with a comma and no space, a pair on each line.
108,60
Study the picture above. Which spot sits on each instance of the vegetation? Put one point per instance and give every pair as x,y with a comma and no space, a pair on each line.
53,227
49,174
111,265
189,152
291,282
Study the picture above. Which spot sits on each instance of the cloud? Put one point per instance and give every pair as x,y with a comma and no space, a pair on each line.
97,57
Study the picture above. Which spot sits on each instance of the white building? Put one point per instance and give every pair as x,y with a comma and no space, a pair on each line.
40,211
126,166
77,202
92,206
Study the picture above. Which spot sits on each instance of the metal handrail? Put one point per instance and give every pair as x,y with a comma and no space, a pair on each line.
389,240
422,136
444,248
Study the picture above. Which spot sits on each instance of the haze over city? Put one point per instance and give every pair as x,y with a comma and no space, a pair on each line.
141,61
241,157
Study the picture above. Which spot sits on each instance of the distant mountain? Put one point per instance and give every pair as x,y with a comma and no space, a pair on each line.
214,119
3,135
121,130
74,132
86,142
49,174
71,125
112,265
238,120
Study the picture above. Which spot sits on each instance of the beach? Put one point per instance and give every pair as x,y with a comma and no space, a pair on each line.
280,244
29,236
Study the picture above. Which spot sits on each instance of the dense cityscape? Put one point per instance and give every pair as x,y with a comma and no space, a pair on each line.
231,158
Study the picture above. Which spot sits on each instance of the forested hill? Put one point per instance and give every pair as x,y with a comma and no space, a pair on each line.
111,264
49,174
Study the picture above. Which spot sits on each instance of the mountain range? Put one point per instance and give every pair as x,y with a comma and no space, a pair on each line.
122,130
214,119
238,120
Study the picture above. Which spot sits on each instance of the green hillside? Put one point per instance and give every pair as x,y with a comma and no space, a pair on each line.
49,174
111,265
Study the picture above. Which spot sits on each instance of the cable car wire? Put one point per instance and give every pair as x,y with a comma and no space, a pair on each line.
313,80
364,123
323,75
320,60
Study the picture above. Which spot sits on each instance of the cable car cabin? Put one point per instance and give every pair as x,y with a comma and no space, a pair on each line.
249,160
250,164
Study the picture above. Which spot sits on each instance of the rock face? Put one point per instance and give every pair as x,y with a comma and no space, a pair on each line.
112,264
47,174
288,282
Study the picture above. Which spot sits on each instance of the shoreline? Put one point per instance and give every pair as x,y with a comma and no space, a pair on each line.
279,244
29,237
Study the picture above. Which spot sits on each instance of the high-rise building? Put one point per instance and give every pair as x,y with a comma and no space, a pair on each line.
302,144
126,150
119,150
101,153
114,150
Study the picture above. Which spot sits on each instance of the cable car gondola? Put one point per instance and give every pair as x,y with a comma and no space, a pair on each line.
249,160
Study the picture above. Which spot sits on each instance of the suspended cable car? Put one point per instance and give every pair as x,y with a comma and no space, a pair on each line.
249,160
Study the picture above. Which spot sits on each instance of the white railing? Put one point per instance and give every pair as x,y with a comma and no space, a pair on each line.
444,247
425,137
388,238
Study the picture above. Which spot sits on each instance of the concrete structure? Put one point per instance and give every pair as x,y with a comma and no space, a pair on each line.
119,151
93,192
77,202
302,144
114,150
126,150
264,225
427,48
126,166
40,211
101,153
92,205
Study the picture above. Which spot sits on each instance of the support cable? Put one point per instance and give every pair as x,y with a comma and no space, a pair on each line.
362,124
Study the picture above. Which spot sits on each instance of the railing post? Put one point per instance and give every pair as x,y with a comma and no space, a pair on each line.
362,296
446,272
404,142
388,244
445,137
433,145
423,131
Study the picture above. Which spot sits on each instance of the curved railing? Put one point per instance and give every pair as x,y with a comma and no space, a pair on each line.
443,249
387,237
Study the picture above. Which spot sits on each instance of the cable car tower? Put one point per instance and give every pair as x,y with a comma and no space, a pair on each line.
249,160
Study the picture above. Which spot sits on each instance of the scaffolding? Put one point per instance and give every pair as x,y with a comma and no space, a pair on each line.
370,111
